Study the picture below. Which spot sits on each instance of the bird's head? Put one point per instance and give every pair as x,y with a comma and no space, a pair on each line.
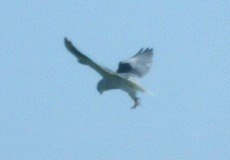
101,86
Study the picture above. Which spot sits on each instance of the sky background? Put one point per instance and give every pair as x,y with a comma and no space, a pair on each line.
49,105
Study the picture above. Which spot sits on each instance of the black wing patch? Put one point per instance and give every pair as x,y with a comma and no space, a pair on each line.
124,68
138,65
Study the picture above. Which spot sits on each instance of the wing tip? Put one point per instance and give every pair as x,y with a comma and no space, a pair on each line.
148,50
69,45
67,42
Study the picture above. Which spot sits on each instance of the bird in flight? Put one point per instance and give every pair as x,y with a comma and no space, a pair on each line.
135,67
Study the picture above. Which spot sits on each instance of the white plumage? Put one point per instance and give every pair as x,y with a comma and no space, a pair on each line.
136,66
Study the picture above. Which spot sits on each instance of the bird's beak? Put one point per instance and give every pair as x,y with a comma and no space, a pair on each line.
101,92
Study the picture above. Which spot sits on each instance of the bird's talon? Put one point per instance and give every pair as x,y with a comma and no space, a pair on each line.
136,103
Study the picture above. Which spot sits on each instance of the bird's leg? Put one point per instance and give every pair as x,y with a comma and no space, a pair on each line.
136,102
132,93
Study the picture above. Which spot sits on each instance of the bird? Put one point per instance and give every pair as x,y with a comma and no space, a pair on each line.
135,67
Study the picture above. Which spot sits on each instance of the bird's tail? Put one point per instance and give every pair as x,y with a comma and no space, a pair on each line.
140,88
137,86
149,92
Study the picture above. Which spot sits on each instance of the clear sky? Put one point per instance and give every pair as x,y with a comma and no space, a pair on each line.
49,105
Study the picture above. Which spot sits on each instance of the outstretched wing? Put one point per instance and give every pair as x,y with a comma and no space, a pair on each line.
83,59
138,65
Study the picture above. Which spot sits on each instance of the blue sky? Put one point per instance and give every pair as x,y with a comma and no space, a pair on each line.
49,105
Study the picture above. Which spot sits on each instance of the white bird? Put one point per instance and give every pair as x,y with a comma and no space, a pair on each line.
136,66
